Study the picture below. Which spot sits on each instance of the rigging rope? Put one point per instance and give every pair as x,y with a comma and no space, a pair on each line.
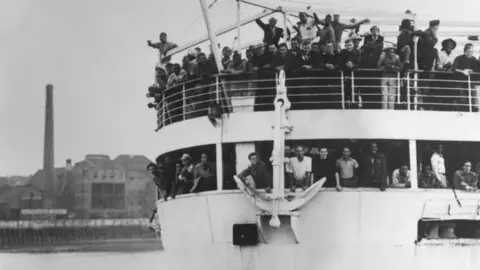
199,16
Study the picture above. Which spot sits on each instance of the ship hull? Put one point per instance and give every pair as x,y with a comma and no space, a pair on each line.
352,229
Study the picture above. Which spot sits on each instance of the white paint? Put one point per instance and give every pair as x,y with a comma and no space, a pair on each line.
412,150
318,124
353,229
219,165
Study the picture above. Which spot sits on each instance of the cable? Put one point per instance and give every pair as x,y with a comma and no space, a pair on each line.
199,16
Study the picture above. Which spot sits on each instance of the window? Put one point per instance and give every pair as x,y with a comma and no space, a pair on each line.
108,196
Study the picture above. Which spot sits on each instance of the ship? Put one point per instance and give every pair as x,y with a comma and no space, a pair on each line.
321,227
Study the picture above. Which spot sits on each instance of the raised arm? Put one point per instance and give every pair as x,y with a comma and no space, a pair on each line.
260,23
354,25
153,45
317,20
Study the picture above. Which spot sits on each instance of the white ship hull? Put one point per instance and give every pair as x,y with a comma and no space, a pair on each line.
352,229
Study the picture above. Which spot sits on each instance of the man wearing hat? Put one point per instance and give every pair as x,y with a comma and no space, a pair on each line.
355,38
272,33
426,46
444,62
186,177
445,56
390,63
374,36
405,43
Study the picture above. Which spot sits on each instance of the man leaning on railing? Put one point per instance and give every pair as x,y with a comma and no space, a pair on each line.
466,179
256,175
350,60
401,177
464,64
390,63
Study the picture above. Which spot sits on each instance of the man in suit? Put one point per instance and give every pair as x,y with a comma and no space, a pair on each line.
374,169
374,37
272,33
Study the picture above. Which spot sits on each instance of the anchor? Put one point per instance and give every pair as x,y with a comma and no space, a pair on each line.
277,203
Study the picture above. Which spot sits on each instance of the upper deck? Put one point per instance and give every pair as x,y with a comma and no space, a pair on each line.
363,104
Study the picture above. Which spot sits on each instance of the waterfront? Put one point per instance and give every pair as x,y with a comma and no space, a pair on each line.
81,261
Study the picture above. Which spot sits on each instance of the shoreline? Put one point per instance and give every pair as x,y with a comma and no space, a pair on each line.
114,245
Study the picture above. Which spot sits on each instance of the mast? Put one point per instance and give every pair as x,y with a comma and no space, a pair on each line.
239,40
211,34
218,62
48,151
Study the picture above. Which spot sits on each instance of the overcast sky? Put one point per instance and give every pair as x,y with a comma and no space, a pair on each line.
95,53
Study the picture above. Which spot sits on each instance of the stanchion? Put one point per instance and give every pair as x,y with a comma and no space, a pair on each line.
343,90
469,93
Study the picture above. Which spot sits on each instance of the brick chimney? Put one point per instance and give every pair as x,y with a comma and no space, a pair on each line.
48,152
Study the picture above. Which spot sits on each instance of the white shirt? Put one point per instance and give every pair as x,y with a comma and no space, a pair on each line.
308,31
438,163
398,179
299,168
444,58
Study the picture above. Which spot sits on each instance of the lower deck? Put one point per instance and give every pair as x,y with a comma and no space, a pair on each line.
353,229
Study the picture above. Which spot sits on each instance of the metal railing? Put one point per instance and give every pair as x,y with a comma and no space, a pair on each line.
321,89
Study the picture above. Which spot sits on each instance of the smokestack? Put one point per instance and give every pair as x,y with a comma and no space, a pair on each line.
48,152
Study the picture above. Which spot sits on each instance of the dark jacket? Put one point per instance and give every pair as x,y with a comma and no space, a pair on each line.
289,61
260,174
369,56
268,36
352,56
324,168
378,41
374,170
333,59
262,60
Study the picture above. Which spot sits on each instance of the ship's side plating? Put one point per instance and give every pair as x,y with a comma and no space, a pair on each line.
352,229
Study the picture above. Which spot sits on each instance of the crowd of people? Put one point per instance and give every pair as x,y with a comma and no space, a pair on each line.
315,44
303,168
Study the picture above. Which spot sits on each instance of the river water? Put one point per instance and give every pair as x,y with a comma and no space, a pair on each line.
82,261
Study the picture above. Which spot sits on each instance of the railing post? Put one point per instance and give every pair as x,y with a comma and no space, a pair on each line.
217,91
469,93
412,146
415,86
343,89
163,109
353,87
184,101
408,91
398,88
219,162
353,93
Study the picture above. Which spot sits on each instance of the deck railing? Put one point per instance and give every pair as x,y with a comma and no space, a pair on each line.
320,89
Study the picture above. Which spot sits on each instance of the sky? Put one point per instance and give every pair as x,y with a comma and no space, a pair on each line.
95,54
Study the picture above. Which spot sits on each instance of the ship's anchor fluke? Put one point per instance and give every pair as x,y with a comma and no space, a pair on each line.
275,221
